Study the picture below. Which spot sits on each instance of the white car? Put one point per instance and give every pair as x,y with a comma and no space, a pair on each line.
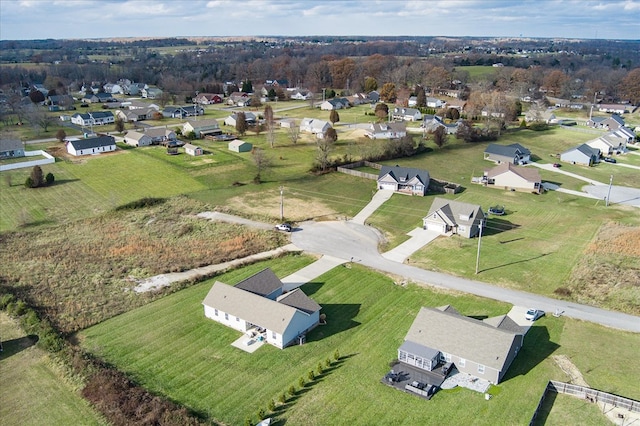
283,227
533,314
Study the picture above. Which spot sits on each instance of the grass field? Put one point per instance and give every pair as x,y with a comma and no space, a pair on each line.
34,390
368,317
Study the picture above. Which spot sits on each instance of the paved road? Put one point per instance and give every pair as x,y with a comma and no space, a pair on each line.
346,240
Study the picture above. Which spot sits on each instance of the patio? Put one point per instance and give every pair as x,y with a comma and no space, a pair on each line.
465,380
402,375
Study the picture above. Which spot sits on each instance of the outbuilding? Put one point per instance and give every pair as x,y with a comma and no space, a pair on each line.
238,145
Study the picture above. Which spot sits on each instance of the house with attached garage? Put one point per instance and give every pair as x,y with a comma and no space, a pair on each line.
609,144
98,98
406,114
607,123
454,217
581,154
403,180
182,111
335,103
301,95
514,153
202,128
11,148
482,348
96,118
259,304
208,98
249,117
432,122
391,130
161,136
151,93
435,103
513,178
91,146
136,114
134,138
536,115
314,126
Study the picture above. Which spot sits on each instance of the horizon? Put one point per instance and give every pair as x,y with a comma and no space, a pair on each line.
145,19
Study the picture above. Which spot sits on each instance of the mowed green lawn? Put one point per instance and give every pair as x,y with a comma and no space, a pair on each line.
95,185
33,390
169,347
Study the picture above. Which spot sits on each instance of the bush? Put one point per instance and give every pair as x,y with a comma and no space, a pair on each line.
310,375
28,183
260,413
336,355
282,398
292,390
6,299
319,369
538,126
271,405
49,178
301,382
327,362
141,203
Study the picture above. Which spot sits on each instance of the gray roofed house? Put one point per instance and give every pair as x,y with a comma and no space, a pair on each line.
387,130
484,349
264,283
581,154
134,138
283,322
201,127
249,117
159,135
454,217
609,143
514,153
403,179
11,148
511,177
406,114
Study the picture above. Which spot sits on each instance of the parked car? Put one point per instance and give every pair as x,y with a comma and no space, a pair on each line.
283,227
533,314
556,165
609,160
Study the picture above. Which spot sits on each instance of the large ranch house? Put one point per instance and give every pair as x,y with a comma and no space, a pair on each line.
259,304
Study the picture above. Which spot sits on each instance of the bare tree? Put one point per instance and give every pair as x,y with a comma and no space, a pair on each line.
241,123
38,117
270,124
294,133
61,135
262,161
325,147
440,136
334,117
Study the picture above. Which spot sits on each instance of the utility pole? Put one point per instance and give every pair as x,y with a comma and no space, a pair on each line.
281,203
609,191
479,241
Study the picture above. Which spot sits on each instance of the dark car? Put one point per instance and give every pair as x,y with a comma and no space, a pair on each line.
556,165
609,160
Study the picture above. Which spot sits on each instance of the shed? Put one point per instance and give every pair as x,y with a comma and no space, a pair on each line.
192,149
238,145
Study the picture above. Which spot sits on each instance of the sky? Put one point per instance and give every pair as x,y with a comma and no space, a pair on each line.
80,19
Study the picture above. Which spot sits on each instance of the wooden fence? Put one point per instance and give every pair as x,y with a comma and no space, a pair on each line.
588,394
348,169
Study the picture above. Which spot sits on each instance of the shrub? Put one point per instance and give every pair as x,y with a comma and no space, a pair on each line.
292,390
6,299
247,421
310,375
260,413
49,178
141,203
28,183
327,363
336,355
282,398
301,382
271,405
319,369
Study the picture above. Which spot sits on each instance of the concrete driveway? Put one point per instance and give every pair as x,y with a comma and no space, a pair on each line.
419,238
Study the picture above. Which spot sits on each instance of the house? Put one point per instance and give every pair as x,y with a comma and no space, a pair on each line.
357,99
541,116
151,93
435,103
133,89
133,115
138,104
192,150
413,101
208,98
482,348
11,148
493,114
608,123
624,133
113,88
454,217
511,177
609,144
614,108
91,146
312,125
406,114
182,111
460,105
98,98
301,95
134,138
202,128
391,130
240,99
581,154
334,104
259,304
404,180
62,102
249,117
281,82
287,123
240,146
373,96
432,122
514,153
160,135
96,118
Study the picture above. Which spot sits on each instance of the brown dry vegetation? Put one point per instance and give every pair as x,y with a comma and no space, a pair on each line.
78,275
609,272
268,204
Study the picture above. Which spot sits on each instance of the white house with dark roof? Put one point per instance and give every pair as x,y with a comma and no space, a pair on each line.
202,128
404,180
95,118
454,217
335,103
406,114
609,143
314,126
260,303
249,117
91,146
581,154
510,177
134,138
514,153
481,348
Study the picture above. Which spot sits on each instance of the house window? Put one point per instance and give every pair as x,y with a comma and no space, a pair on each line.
462,362
215,312
237,319
445,357
226,316
402,356
273,335
480,368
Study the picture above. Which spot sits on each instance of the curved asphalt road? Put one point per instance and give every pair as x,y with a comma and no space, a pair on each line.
352,241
